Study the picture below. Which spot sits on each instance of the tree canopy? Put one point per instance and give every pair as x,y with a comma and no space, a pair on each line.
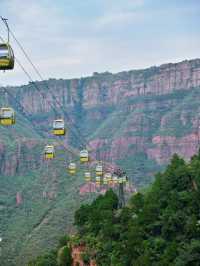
160,227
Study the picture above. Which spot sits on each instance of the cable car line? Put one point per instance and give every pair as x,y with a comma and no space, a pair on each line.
44,81
50,155
33,65
10,94
28,58
5,21
29,77
27,74
36,70
15,99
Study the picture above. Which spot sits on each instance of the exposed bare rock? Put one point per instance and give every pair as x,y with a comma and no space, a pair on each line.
18,198
125,113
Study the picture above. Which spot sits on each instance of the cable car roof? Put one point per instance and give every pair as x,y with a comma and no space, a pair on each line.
84,151
59,120
7,109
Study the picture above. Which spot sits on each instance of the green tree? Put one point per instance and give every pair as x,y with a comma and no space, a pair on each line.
63,241
64,256
48,259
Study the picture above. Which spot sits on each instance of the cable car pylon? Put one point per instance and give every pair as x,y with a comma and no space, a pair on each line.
120,174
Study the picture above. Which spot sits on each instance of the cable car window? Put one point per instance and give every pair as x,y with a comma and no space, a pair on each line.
3,52
49,149
84,153
7,113
99,168
72,165
58,124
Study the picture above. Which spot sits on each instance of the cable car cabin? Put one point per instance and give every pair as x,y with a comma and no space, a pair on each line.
7,58
124,179
72,168
115,180
98,180
49,152
87,176
99,170
105,181
120,180
109,178
84,157
59,127
7,116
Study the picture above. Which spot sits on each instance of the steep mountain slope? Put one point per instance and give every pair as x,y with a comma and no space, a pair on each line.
137,119
37,199
159,227
36,208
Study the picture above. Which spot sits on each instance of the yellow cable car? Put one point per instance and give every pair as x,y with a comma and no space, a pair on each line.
98,180
99,170
87,176
105,181
84,157
49,152
115,180
72,168
7,58
124,179
59,127
109,178
120,180
7,116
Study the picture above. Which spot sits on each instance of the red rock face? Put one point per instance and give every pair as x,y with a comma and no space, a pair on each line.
77,252
91,97
91,187
116,88
186,146
18,198
76,256
164,148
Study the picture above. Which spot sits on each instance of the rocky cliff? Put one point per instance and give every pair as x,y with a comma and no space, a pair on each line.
111,89
148,113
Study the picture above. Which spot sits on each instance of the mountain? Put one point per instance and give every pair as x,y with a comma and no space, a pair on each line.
158,227
136,119
148,114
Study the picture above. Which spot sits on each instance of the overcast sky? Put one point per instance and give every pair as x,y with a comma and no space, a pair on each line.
74,38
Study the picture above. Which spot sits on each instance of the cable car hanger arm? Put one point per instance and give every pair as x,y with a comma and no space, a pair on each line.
5,21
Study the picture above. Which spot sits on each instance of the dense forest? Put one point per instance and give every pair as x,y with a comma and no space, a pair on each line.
159,227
